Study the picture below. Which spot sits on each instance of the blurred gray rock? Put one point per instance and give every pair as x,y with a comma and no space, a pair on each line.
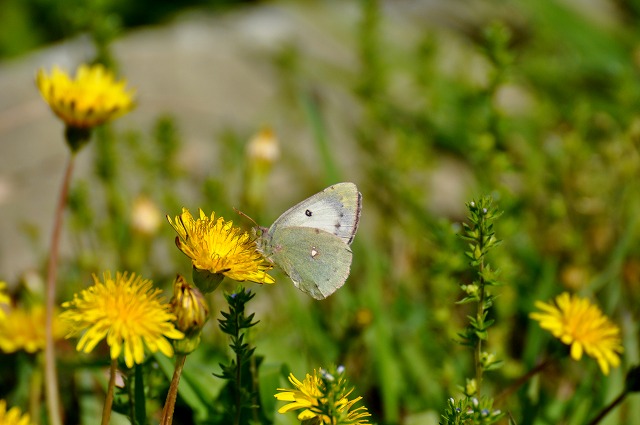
210,72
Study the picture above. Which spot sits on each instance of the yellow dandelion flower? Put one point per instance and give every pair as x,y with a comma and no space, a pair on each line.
306,396
92,98
581,325
324,397
127,311
219,248
23,329
12,417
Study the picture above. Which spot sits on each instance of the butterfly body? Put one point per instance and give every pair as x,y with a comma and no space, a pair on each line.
311,241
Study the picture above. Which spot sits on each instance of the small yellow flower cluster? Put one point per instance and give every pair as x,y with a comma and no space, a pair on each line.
323,397
23,329
582,326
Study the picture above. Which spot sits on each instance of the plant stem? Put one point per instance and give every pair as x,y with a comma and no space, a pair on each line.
170,404
479,316
51,376
108,401
239,361
609,408
35,390
524,378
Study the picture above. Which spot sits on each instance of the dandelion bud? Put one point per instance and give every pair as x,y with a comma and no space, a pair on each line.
190,308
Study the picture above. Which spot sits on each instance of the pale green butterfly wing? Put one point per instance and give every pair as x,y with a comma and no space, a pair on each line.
317,262
310,241
335,210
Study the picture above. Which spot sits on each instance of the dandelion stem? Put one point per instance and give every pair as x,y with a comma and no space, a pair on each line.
108,401
524,378
51,376
609,408
170,404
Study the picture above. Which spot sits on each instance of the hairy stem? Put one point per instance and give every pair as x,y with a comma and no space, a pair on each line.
108,401
172,396
51,375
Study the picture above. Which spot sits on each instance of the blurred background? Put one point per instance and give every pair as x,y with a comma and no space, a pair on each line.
425,105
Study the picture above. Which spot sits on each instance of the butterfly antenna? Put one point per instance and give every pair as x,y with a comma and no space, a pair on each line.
246,216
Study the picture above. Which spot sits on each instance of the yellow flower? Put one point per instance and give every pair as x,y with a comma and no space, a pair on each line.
581,325
324,397
93,98
219,248
127,311
23,329
13,416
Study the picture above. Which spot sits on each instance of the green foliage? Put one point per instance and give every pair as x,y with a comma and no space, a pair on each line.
238,402
470,411
537,106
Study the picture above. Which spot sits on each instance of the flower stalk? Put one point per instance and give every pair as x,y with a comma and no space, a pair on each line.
108,401
191,311
172,396
631,385
51,375
91,99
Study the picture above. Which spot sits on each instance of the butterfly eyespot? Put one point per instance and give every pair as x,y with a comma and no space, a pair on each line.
308,213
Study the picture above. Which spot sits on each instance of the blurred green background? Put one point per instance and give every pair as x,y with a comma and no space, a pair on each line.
533,103
29,24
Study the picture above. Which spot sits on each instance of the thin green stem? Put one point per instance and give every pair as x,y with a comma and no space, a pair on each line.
35,390
478,351
51,375
609,408
108,401
239,360
172,396
479,317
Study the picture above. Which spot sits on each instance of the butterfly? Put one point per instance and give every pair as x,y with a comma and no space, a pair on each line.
311,241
